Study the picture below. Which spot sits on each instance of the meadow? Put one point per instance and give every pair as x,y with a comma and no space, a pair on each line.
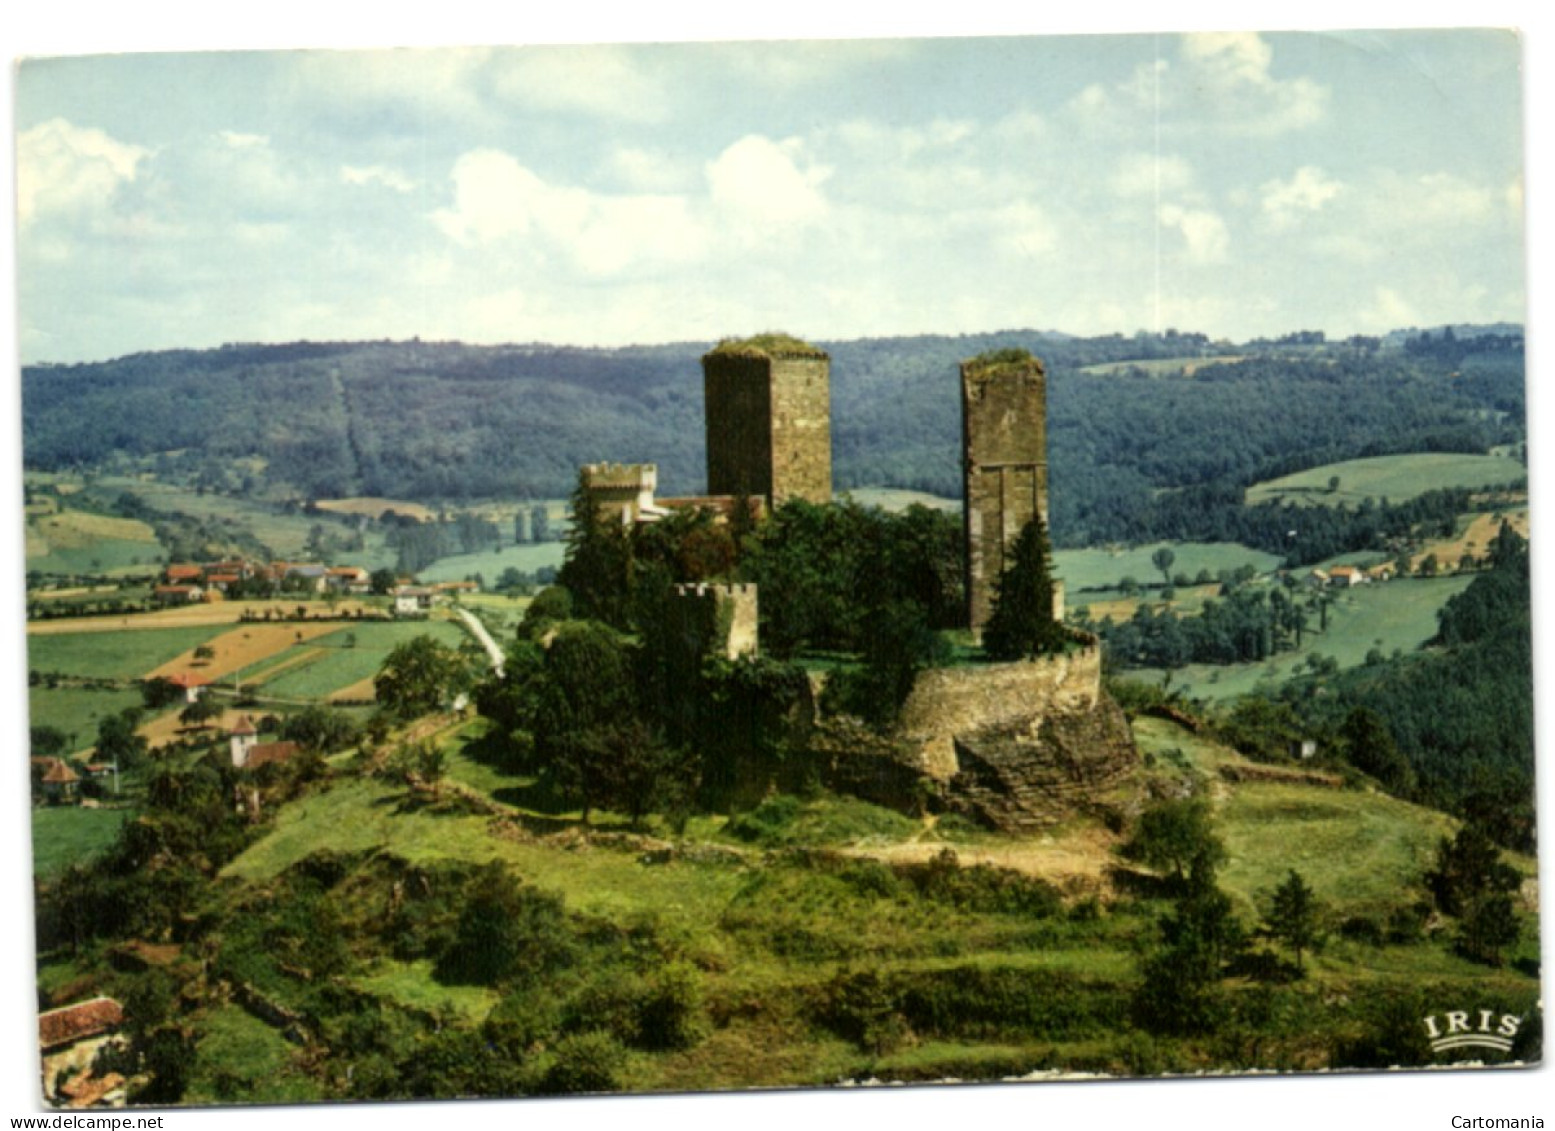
1082,570
1395,478
489,564
63,835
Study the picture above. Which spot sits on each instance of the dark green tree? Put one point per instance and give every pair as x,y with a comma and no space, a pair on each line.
507,932
1177,836
1021,624
598,570
1162,559
158,693
1294,916
1371,749
420,676
321,729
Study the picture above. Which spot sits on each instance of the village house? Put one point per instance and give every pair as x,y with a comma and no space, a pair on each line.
191,684
177,594
57,783
248,753
1346,577
348,579
412,601
70,1038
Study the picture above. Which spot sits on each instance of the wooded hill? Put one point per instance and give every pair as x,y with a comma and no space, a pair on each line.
449,422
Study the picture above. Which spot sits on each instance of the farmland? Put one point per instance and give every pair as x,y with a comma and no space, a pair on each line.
105,649
1395,478
63,836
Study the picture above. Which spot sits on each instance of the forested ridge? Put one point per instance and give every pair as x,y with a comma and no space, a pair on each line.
445,421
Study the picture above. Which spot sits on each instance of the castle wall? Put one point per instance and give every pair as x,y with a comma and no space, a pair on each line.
801,430
1004,453
946,702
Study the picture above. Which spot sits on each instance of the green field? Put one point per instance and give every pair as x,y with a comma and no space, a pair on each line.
1104,569
114,655
526,559
65,834
77,710
1384,615
106,557
1395,478
351,654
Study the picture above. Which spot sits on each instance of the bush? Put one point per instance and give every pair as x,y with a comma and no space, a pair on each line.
584,1062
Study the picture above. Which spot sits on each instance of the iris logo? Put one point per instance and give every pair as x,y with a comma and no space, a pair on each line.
1462,1028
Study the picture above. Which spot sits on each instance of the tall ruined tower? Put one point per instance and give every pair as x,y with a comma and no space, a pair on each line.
1004,458
768,406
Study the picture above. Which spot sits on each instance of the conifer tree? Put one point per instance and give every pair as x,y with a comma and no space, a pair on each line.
1021,624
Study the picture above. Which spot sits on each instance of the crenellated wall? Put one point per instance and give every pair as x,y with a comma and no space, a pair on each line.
946,702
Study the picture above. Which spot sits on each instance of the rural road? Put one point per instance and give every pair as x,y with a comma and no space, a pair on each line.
479,630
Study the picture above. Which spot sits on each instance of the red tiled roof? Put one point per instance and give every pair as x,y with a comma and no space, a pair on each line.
60,774
265,752
79,1021
187,680
184,572
223,578
244,725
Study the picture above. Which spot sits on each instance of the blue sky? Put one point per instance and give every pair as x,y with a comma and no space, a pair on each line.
1239,184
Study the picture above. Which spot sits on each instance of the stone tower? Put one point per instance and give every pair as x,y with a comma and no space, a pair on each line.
1004,458
717,620
768,405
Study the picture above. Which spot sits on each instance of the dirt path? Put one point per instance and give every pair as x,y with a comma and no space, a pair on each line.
1076,863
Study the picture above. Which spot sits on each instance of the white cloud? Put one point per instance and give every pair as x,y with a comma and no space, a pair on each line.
758,180
1389,310
609,82
64,168
1150,175
497,199
1219,81
377,175
237,140
1205,237
1284,202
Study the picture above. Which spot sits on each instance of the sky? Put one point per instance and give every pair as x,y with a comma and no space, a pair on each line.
1238,184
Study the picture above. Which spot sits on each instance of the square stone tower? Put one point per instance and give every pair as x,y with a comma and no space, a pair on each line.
767,401
1004,458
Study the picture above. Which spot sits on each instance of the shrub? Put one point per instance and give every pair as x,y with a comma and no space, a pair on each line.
584,1062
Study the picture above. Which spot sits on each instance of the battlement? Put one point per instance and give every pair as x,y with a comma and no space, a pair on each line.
620,476
716,590
717,619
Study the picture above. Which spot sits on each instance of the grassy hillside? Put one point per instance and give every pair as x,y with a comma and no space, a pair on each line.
1389,616
1394,478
